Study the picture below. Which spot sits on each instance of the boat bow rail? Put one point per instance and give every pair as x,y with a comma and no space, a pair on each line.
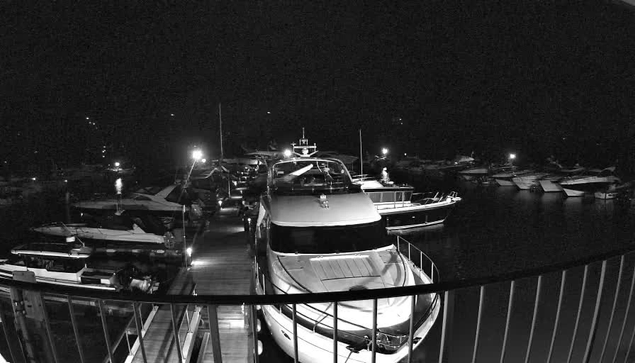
602,280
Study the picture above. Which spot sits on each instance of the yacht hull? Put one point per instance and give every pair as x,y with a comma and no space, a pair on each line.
505,182
316,348
549,186
416,215
573,192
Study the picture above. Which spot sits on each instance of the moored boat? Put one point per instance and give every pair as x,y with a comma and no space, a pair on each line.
318,232
65,264
401,208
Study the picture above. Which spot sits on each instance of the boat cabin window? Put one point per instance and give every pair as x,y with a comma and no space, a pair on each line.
55,264
309,174
15,260
326,240
142,197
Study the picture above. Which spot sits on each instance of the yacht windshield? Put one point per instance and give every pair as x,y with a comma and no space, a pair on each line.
325,240
310,175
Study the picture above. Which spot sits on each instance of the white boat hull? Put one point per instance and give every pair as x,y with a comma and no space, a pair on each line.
573,192
605,195
549,186
505,182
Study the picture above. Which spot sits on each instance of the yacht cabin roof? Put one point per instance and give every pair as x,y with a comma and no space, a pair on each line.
322,211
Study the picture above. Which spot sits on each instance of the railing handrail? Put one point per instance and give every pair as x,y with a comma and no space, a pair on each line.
317,297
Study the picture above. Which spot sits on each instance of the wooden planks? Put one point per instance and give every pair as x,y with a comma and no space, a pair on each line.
221,264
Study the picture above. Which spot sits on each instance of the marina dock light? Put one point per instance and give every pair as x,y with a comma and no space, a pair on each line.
118,185
384,151
117,164
512,156
203,160
197,155
287,153
188,251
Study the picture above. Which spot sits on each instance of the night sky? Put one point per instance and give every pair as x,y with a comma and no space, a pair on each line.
433,78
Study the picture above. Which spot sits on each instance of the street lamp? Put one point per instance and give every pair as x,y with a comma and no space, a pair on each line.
511,158
196,155
384,151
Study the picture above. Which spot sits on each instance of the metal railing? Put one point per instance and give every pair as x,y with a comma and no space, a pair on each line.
575,311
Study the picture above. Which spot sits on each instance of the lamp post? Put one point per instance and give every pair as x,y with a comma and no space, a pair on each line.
511,159
196,155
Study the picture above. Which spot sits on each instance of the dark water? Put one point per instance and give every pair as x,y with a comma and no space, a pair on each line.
501,229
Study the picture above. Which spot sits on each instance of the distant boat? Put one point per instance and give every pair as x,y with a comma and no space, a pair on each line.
590,181
167,202
113,229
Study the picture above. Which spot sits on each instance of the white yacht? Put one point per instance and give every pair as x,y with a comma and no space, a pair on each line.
123,228
590,181
168,202
528,180
505,178
402,208
317,232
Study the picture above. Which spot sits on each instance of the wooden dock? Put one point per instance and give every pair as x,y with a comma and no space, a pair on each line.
220,265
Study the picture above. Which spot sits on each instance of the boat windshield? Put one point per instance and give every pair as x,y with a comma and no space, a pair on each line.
310,175
326,240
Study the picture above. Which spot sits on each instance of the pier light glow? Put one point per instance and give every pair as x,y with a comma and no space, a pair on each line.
384,151
34,179
188,251
287,153
512,156
203,160
117,164
197,155
118,185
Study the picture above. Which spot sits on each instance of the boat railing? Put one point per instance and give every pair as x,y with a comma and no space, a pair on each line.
569,311
426,267
433,197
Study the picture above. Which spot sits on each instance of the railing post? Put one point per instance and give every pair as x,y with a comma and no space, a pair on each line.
104,326
478,322
78,340
3,320
446,327
254,331
617,292
335,339
563,280
628,307
411,327
533,319
577,319
139,325
596,315
374,335
510,304
214,333
175,333
296,357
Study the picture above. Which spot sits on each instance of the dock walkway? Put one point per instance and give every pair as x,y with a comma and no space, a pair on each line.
220,265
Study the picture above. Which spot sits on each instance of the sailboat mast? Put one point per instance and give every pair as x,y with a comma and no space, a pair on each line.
361,156
220,128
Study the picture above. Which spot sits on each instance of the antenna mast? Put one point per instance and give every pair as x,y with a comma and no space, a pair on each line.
220,127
